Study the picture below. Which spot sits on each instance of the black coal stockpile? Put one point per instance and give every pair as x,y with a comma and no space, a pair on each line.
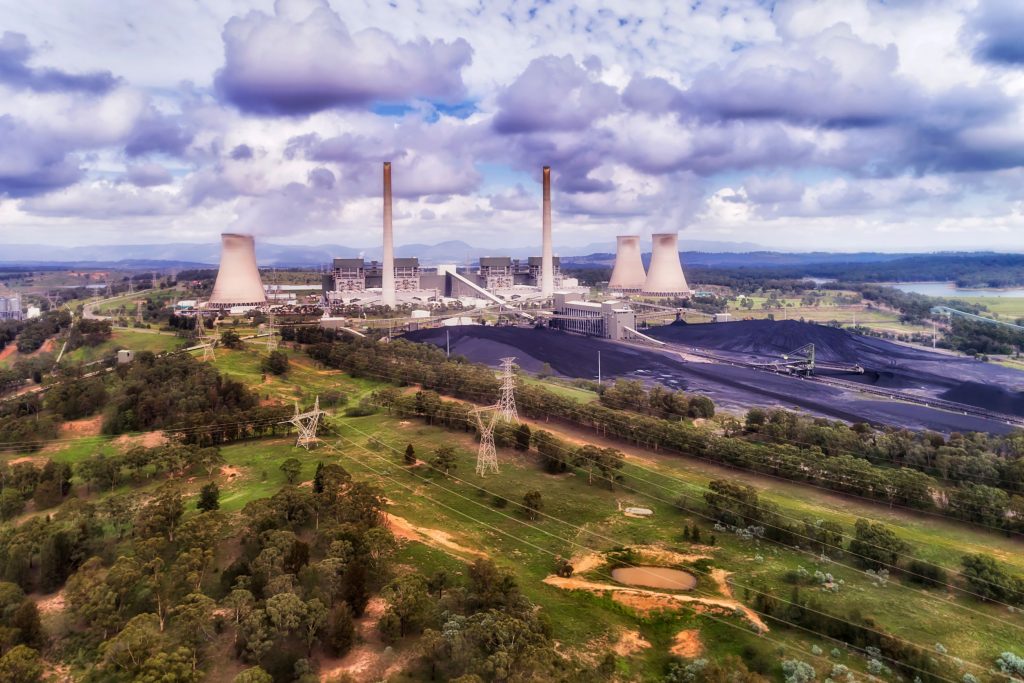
774,338
568,355
987,396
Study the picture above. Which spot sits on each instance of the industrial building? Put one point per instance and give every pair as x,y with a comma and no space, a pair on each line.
665,276
238,285
10,307
628,274
397,280
608,319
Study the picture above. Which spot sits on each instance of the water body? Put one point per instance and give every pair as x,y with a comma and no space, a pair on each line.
655,577
950,290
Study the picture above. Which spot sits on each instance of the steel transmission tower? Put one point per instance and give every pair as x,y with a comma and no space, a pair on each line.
272,329
204,339
486,456
307,424
506,406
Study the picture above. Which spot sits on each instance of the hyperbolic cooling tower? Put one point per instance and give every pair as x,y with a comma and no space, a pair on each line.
388,274
238,279
628,275
547,261
665,276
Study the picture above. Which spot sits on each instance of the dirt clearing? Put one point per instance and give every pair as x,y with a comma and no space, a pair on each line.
687,644
436,538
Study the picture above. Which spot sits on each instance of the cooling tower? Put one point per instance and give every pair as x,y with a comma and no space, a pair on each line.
665,276
628,275
547,265
388,274
238,279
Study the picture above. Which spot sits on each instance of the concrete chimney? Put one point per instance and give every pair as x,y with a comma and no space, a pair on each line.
628,275
547,263
665,276
238,278
388,275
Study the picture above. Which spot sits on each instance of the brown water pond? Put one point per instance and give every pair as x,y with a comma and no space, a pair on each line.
655,577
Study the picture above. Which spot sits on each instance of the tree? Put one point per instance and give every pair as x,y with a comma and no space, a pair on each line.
313,624
209,497
253,675
21,664
176,666
285,612
318,478
160,516
410,455
444,458
276,363
230,339
523,437
341,630
291,467
875,546
988,580
532,501
30,628
139,640
409,607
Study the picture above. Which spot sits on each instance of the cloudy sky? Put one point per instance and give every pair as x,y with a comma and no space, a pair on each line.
803,124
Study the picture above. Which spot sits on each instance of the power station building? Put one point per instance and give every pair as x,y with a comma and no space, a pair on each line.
395,280
238,284
608,319
10,307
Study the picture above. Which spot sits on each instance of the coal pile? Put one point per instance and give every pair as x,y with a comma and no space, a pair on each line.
568,355
987,396
775,338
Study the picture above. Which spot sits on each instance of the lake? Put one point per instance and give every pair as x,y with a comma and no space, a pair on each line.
950,290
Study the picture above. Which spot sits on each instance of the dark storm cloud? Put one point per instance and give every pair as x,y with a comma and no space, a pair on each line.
303,60
32,163
158,133
655,95
15,52
553,94
998,27
241,152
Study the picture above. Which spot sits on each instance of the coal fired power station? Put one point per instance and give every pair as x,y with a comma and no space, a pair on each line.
665,276
238,281
628,274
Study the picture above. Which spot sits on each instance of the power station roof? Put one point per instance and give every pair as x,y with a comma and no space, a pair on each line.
348,263
539,260
409,262
495,261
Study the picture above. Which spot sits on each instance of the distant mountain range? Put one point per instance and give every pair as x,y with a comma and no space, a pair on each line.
270,254
188,255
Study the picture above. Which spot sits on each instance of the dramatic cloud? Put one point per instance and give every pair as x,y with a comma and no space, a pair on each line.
808,124
303,59
554,93
999,26
32,163
15,52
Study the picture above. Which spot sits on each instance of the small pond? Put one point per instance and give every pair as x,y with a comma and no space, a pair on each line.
655,577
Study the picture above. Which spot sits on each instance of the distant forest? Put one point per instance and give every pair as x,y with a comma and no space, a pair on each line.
976,269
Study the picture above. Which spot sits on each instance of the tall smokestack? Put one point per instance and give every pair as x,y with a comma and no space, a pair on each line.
388,281
628,275
547,261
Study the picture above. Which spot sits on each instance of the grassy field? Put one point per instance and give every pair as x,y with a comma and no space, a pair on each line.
828,310
454,520
122,338
1005,307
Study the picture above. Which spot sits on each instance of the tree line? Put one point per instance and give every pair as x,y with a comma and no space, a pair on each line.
892,466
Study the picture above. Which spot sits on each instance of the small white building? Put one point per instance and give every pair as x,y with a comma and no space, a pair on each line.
10,307
125,356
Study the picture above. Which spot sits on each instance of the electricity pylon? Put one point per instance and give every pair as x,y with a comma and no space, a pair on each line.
138,311
205,340
272,329
506,406
307,424
486,456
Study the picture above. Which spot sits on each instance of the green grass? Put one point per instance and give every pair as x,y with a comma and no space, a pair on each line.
1005,307
136,340
371,449
575,393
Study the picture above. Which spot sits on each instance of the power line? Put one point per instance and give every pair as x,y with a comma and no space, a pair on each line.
581,529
